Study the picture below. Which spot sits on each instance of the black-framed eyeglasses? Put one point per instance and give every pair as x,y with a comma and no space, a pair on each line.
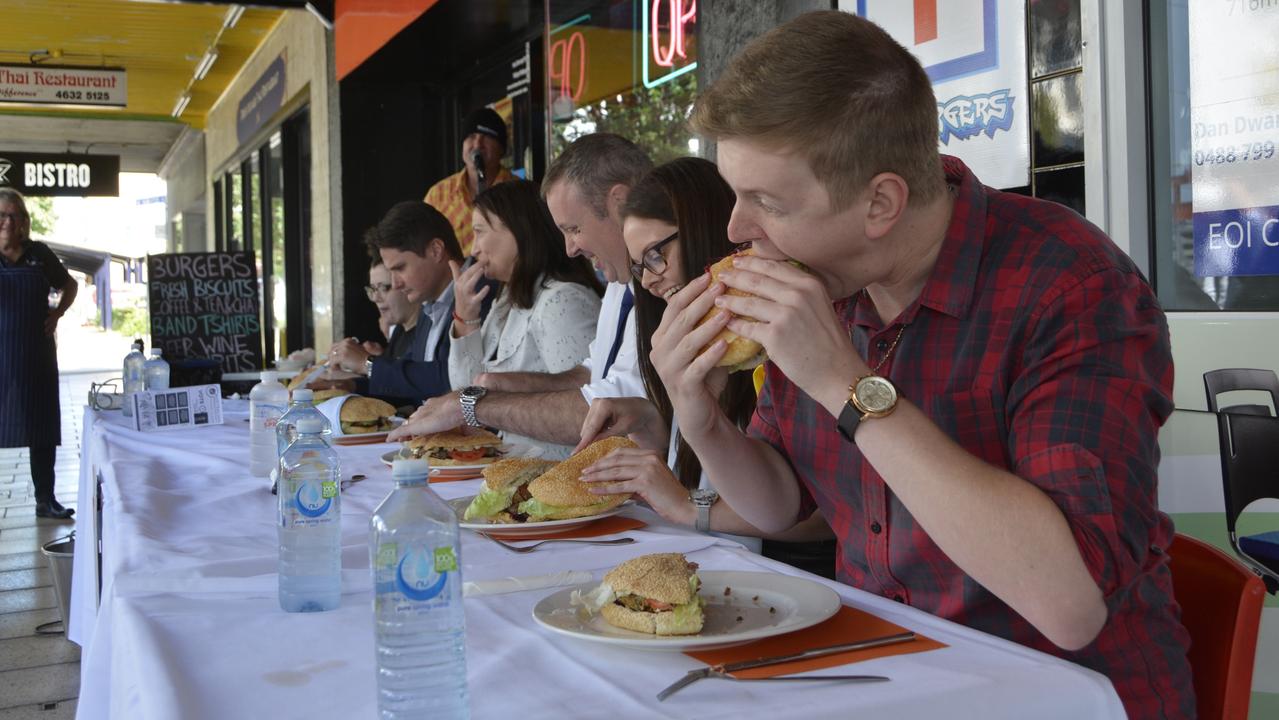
653,259
379,289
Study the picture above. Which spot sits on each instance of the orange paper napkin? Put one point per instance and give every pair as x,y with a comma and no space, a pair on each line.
847,625
456,475
604,526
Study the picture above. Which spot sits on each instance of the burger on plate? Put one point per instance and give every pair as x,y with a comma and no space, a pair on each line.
560,494
363,415
505,487
655,594
459,446
320,396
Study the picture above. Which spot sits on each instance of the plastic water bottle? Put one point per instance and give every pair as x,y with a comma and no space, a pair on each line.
155,371
420,627
302,405
310,527
267,402
134,380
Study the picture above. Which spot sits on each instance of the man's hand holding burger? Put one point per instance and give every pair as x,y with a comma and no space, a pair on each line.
792,317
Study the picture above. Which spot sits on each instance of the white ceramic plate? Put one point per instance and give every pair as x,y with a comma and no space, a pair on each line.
545,527
509,450
759,605
367,438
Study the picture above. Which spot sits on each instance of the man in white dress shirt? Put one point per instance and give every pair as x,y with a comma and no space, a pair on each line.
585,189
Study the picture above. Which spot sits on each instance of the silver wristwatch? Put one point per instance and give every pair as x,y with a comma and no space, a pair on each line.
703,500
469,397
368,368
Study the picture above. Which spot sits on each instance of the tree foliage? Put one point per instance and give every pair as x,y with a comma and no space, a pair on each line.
43,217
656,119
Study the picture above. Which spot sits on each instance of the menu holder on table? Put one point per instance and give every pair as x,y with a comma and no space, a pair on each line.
176,408
847,625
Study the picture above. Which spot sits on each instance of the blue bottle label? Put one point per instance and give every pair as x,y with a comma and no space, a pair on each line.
412,579
311,500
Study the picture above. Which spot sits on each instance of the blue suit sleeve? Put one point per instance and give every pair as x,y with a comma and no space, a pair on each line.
417,380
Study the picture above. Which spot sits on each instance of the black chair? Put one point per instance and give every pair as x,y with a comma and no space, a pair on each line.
1249,440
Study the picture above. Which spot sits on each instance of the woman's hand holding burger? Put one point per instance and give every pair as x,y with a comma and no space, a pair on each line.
644,473
683,361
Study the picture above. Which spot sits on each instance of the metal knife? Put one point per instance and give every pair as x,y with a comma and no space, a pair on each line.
694,675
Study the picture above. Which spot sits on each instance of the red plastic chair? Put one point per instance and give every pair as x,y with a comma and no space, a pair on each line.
1220,603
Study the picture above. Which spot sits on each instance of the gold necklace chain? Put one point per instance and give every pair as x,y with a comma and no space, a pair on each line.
891,348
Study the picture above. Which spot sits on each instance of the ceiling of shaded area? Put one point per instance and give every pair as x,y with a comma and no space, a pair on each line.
159,44
141,144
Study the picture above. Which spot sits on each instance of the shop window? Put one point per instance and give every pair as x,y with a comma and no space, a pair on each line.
264,201
625,67
235,205
1055,61
1058,125
219,217
1214,149
1056,43
273,228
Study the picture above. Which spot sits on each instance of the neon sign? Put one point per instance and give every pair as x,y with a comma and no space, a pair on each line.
563,53
679,15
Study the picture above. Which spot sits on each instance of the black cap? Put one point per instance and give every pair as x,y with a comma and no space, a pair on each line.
485,121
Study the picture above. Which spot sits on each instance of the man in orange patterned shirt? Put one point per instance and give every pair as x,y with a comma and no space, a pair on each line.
483,137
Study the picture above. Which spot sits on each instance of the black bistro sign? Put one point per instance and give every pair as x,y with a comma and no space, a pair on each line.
37,174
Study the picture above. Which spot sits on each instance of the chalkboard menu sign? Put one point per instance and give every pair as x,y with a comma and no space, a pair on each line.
205,305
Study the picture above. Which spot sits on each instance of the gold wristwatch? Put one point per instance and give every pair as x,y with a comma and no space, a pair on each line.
870,396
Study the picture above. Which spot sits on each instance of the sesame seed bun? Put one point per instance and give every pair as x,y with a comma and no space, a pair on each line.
659,576
742,353
561,486
514,472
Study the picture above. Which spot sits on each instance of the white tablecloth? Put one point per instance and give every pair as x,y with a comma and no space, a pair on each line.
189,625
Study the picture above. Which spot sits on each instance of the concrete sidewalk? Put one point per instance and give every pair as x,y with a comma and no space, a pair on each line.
40,674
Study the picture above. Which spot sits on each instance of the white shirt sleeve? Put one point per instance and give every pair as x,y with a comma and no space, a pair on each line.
466,357
623,378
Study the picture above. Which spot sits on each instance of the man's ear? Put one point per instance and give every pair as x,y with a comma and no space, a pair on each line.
616,199
888,195
435,250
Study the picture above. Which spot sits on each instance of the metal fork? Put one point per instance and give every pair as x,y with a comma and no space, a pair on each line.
534,546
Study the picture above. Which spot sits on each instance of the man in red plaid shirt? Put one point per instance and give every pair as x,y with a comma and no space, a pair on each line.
969,384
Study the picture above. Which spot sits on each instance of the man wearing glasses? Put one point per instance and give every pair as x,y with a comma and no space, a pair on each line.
415,242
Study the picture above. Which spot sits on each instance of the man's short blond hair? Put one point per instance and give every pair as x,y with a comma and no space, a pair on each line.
839,91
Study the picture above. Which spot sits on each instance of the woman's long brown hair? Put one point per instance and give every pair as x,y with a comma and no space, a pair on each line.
689,194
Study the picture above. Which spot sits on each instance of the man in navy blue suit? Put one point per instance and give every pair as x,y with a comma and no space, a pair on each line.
415,243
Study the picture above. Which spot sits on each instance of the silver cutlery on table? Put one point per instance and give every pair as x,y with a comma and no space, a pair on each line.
534,546
722,671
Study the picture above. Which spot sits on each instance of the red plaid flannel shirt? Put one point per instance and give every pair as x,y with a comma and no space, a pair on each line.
1038,346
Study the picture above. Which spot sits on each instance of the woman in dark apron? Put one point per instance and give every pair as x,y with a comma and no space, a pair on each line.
29,407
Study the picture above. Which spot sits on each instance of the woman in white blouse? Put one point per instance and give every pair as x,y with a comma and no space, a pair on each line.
544,318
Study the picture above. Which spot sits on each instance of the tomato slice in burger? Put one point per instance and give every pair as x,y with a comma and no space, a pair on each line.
467,455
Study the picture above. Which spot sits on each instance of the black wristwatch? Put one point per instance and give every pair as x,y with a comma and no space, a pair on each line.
469,397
